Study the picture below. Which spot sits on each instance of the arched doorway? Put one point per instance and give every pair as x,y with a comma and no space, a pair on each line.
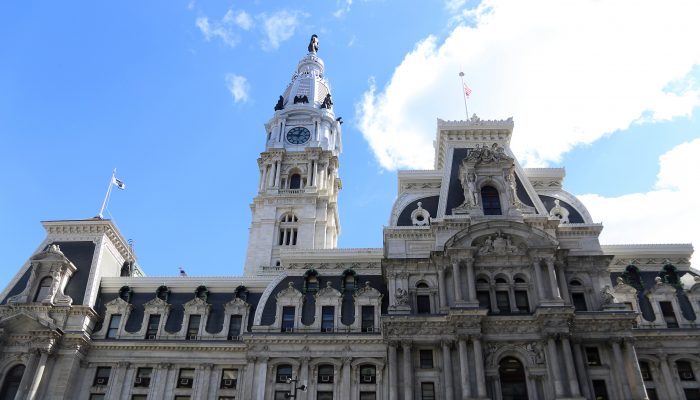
513,384
12,381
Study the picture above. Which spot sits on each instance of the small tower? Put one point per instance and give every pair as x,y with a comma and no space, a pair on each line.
296,205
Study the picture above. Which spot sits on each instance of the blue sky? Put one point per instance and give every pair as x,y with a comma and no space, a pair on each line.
174,94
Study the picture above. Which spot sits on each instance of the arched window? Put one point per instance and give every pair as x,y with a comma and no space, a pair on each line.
295,181
325,373
284,372
422,298
12,381
483,292
490,200
368,374
288,230
520,290
44,289
685,371
512,374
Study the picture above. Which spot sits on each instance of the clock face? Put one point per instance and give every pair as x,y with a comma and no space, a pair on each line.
298,135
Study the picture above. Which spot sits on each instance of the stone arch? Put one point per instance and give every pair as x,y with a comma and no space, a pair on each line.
526,356
528,235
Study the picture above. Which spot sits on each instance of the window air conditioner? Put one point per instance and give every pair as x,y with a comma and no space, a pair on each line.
367,378
288,329
328,329
192,337
234,338
369,329
687,375
185,381
645,376
151,337
229,383
325,378
137,381
100,381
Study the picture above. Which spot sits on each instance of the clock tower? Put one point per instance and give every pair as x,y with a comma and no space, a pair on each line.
296,204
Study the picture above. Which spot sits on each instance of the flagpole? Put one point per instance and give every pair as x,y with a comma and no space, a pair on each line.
109,190
464,95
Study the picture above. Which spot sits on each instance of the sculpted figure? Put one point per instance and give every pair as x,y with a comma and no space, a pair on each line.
471,187
313,44
401,297
327,102
280,104
510,178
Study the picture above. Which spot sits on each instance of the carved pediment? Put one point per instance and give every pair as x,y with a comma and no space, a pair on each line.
328,291
624,288
661,288
236,304
117,303
506,237
24,321
289,292
197,305
156,304
367,291
500,244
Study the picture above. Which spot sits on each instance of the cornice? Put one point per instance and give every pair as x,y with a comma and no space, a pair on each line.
182,284
89,227
174,345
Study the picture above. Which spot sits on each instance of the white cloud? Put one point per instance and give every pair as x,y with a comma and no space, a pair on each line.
568,72
343,8
241,19
238,86
667,214
279,26
219,30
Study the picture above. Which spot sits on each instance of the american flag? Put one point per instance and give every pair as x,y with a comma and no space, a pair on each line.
467,90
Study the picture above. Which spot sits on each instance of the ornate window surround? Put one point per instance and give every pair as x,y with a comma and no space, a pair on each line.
50,263
666,292
116,306
366,296
288,297
328,296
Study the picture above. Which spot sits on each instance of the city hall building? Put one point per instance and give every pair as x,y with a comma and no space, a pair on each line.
491,284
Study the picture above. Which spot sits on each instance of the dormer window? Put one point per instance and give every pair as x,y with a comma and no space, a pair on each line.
491,201
44,289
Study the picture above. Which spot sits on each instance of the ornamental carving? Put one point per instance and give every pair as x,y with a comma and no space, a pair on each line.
500,244
486,154
532,353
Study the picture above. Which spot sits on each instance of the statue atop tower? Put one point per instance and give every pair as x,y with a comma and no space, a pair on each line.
313,44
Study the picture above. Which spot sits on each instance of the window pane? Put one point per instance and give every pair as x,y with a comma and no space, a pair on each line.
193,326
423,304
521,301
502,301
368,396
669,314
325,373
324,396
152,329
327,318
234,327
685,371
426,359
287,319
579,300
484,299
646,372
102,376
368,374
427,390
592,356
185,378
367,318
284,372
490,201
113,328
599,390
44,289
229,378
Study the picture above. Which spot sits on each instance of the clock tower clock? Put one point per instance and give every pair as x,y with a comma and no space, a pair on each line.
296,204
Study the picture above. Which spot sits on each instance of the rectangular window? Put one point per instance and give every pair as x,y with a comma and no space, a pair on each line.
229,378
113,328
152,328
425,359
600,391
139,397
367,318
327,318
287,319
325,373
102,376
644,369
484,299
143,377
193,327
182,397
502,301
521,301
692,394
685,371
368,396
669,314
651,394
234,327
281,395
97,396
592,356
579,301
423,304
427,391
185,378
324,396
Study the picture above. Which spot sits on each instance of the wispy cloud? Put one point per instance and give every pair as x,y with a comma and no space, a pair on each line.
280,26
343,8
239,87
225,29
241,19
567,72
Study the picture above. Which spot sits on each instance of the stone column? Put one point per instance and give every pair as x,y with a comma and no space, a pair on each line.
263,176
669,383
393,372
303,377
553,279
160,379
479,367
38,375
538,278
552,354
345,387
407,371
633,371
204,378
447,369
570,369
457,280
117,386
581,370
464,369
563,284
278,174
441,287
28,375
471,281
271,175
249,375
261,378
315,173
619,368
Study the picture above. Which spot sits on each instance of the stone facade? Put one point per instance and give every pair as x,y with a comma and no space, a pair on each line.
491,284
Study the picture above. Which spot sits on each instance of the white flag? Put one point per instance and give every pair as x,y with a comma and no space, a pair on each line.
118,183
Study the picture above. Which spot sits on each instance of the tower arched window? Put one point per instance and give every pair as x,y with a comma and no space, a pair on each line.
422,298
295,181
288,230
44,289
12,380
491,200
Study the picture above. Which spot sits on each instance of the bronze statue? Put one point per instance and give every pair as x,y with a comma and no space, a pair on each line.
327,102
313,44
280,104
